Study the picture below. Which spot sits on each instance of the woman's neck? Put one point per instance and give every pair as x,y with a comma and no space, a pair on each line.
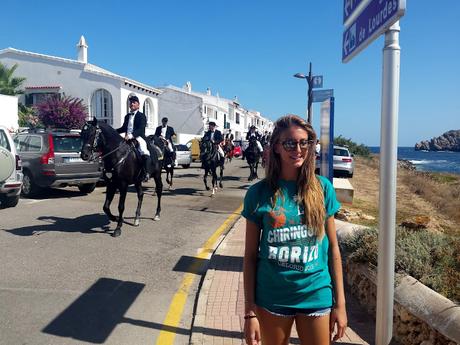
289,175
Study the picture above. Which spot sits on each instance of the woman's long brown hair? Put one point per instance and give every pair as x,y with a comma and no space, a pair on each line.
309,190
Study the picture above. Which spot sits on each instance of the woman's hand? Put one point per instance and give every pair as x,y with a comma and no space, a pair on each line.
339,318
252,331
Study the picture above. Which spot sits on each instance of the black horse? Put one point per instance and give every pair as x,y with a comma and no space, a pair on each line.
211,160
168,157
252,154
123,167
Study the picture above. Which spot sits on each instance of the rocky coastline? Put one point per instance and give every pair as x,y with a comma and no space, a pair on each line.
449,141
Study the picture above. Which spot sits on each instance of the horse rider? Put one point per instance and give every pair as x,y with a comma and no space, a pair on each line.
215,136
167,132
134,127
253,133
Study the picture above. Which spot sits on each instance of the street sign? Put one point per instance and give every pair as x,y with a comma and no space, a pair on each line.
374,20
322,95
350,7
317,82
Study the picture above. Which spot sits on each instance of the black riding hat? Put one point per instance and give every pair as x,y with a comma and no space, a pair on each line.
133,99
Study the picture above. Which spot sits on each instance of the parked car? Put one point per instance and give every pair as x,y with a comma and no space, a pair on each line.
11,171
237,151
183,156
243,144
51,158
343,162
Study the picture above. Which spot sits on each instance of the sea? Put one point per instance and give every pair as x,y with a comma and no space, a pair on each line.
433,161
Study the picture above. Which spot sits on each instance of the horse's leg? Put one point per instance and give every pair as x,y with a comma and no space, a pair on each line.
159,191
205,178
221,185
109,194
214,179
121,208
140,197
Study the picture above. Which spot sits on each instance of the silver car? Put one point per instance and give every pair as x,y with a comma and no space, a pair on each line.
183,156
11,167
343,162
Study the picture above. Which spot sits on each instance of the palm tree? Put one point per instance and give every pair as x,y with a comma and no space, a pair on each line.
10,85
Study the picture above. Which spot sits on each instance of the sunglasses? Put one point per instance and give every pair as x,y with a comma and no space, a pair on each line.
291,145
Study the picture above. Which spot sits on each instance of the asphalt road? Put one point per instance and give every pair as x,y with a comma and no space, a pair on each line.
65,280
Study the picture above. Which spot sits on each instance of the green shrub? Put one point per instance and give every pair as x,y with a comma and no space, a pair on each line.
431,257
360,150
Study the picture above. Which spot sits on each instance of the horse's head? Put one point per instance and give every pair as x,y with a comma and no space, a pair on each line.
89,139
206,147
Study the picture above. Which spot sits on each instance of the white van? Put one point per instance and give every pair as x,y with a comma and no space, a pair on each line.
10,171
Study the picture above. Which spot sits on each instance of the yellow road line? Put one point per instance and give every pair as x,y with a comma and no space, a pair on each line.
176,308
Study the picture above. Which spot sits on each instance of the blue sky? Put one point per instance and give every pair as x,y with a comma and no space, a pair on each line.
251,49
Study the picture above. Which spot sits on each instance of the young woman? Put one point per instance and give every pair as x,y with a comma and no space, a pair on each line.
292,264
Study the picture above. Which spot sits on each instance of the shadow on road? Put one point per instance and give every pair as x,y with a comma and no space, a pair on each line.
84,224
96,313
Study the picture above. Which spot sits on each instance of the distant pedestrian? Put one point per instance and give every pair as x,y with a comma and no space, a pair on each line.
292,263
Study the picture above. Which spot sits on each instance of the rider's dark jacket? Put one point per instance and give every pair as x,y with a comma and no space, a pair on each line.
217,136
140,121
256,134
169,132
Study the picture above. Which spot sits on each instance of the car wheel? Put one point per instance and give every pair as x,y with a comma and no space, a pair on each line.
185,166
29,188
87,188
9,201
350,175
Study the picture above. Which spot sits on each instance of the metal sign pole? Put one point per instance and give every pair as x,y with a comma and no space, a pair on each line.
330,174
387,207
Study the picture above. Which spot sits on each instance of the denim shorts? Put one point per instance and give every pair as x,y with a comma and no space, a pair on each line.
291,312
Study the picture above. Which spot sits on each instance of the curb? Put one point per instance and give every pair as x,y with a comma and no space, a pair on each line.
199,315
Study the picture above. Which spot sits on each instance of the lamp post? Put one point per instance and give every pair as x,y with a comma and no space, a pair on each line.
308,78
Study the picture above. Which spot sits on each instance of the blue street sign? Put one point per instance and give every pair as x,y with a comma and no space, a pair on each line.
317,82
322,95
349,6
374,20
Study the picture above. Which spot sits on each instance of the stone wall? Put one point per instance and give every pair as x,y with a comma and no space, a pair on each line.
420,316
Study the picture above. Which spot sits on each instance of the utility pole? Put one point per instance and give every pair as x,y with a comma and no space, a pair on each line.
309,95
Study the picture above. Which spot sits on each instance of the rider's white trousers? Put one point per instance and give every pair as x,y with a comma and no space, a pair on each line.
142,145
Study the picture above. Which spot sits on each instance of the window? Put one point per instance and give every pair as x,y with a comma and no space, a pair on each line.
102,106
148,112
37,98
4,141
237,118
34,144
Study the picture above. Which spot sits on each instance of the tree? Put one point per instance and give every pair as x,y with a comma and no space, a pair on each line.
10,85
28,117
62,112
357,149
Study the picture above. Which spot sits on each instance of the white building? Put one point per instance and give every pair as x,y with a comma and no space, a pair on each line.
189,112
105,93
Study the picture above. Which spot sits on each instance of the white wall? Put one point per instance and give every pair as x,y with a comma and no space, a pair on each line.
76,82
9,112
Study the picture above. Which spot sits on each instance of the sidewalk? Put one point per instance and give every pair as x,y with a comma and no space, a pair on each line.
220,309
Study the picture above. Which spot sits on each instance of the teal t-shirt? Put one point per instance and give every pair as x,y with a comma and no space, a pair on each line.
292,264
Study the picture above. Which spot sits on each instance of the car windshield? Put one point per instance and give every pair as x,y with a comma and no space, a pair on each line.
181,147
67,143
341,152
4,141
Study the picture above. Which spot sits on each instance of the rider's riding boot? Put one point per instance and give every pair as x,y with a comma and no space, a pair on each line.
174,158
147,163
